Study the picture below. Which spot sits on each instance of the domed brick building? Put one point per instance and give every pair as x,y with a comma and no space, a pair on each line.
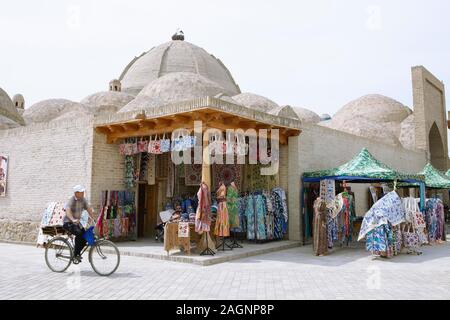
57,143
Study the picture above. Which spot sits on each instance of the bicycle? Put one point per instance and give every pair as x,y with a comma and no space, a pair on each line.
59,251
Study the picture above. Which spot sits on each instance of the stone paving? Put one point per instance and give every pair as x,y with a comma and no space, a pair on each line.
289,274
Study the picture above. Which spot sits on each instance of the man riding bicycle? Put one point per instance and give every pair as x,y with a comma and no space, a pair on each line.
74,207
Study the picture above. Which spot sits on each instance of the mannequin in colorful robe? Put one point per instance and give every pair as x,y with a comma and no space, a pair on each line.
320,243
222,228
232,206
203,215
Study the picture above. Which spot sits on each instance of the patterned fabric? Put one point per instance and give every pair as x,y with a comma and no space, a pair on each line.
434,218
242,204
363,165
192,174
379,241
278,198
142,145
151,169
170,180
434,178
251,221
320,242
253,180
332,229
165,145
48,214
59,214
261,212
222,227
227,173
232,205
203,215
129,172
327,190
387,209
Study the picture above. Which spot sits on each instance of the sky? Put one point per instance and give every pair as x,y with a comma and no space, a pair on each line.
315,54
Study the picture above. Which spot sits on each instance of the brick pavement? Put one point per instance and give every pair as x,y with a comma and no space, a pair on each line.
289,274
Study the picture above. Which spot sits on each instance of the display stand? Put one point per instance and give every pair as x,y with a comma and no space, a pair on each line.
208,251
222,245
235,244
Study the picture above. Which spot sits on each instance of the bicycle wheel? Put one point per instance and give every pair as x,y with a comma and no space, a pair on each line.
58,254
104,257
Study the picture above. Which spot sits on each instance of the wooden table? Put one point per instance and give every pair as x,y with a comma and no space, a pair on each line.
173,241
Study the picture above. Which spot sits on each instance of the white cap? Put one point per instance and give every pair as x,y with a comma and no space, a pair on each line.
78,188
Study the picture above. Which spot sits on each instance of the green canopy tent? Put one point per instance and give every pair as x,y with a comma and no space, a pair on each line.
365,168
434,179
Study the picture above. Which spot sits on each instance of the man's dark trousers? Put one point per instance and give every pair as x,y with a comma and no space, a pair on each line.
78,231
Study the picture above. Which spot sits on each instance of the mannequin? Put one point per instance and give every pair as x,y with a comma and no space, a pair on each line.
222,228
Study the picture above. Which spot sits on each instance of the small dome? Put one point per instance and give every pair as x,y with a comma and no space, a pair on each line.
175,56
9,117
106,101
141,103
180,86
325,117
115,85
373,107
306,115
364,117
19,101
256,102
408,133
54,109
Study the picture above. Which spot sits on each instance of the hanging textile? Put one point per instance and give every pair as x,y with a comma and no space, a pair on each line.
327,190
227,173
261,212
414,217
232,205
203,214
280,212
253,180
192,174
434,218
242,204
170,179
270,218
320,241
379,241
251,221
129,172
222,227
151,169
387,209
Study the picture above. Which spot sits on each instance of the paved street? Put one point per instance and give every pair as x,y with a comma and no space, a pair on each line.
288,274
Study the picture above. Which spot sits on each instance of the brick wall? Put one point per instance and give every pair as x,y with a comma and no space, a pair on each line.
45,162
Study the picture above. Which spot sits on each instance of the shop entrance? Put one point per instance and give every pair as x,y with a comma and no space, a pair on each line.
148,208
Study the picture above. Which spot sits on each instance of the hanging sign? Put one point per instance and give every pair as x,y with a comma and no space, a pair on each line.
183,229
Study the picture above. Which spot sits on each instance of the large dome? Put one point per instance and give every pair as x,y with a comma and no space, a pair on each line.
372,116
180,86
256,102
54,109
106,101
9,116
175,56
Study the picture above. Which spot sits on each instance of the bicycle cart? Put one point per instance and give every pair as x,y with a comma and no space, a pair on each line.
104,256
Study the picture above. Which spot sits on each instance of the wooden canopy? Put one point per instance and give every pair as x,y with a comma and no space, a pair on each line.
211,119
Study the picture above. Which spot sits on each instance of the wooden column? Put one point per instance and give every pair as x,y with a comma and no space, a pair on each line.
206,166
